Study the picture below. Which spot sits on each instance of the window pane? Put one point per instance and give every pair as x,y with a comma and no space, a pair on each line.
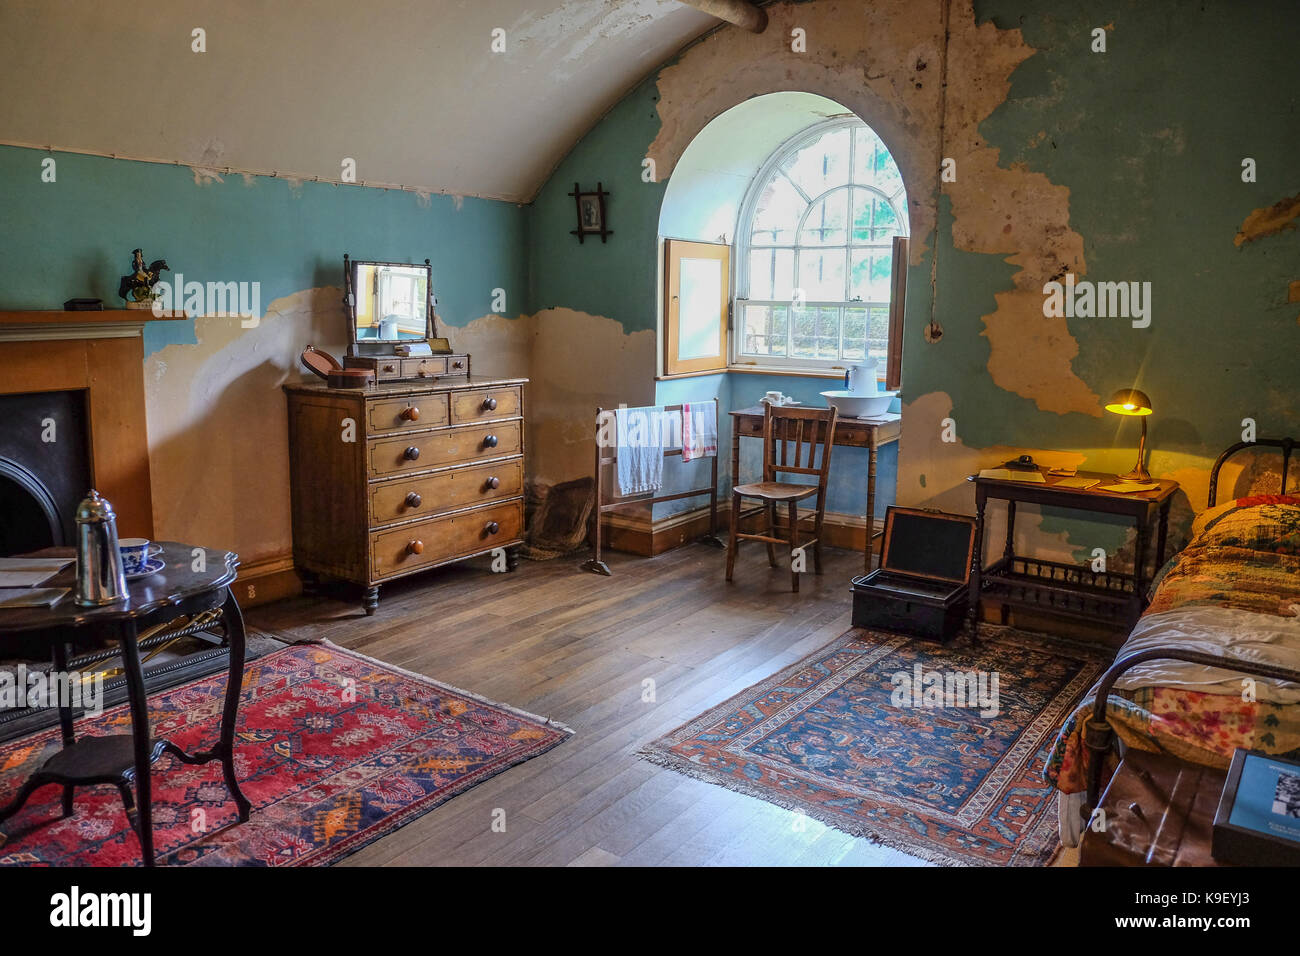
872,272
771,274
776,215
816,333
698,314
873,218
821,274
855,334
878,332
827,222
872,164
764,330
821,164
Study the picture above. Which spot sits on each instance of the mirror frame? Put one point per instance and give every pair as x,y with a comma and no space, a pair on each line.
350,270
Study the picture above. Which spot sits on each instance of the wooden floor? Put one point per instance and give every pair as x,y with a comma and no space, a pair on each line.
577,648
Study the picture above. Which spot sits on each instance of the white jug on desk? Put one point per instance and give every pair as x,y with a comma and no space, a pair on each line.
861,379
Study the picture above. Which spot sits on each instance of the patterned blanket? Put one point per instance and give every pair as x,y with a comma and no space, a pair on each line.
1236,588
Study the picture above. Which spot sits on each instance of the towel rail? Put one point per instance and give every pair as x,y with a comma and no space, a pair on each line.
597,564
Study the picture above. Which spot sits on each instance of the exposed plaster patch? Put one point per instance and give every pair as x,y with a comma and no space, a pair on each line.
204,175
864,57
1268,221
1030,355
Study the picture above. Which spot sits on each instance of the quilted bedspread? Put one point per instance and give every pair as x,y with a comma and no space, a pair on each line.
1235,591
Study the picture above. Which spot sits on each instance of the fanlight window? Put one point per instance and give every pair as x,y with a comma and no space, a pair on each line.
816,250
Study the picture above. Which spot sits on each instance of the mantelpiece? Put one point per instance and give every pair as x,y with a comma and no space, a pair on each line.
102,354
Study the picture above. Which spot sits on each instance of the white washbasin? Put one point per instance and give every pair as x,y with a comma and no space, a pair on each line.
859,406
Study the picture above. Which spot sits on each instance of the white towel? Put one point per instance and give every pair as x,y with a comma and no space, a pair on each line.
699,430
640,449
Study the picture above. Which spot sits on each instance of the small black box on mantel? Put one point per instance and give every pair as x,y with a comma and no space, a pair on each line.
922,585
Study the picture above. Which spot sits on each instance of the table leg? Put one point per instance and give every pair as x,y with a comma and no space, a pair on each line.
1140,566
140,732
871,501
1162,537
735,474
977,564
65,716
230,710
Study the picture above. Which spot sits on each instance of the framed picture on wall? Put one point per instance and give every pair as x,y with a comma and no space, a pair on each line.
591,213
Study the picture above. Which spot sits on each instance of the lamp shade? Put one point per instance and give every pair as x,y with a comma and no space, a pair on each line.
1129,401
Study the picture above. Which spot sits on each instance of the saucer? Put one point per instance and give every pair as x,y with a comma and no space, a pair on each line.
153,566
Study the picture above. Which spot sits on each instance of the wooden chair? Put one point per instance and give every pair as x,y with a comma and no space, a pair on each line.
784,427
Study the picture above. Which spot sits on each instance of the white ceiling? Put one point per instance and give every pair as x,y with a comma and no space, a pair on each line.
408,88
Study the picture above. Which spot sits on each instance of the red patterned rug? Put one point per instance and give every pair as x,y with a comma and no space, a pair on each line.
334,750
862,737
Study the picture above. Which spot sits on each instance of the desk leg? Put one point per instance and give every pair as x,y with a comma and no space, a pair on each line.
1140,567
871,502
977,564
735,477
1163,535
139,709
234,619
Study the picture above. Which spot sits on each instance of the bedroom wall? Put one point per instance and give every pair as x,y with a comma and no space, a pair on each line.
216,414
1123,165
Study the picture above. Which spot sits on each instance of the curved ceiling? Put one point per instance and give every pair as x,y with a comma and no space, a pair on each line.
409,89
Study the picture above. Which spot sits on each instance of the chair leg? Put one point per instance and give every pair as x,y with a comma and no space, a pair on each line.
732,541
771,533
817,545
794,544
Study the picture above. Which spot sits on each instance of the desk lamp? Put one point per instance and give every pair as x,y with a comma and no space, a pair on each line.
1130,401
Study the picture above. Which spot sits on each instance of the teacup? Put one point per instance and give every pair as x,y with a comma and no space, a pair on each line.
775,398
136,553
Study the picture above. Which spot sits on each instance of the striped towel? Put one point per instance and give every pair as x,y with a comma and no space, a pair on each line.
699,430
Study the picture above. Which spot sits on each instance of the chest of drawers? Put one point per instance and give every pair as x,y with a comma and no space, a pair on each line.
403,477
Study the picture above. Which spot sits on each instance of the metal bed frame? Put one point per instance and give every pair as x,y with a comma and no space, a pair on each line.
1098,735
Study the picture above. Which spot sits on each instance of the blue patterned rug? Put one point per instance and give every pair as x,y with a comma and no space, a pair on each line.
936,751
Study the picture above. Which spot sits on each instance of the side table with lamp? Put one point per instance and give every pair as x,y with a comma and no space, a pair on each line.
1073,590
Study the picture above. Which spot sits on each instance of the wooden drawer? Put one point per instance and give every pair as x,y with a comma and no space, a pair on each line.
392,456
424,543
387,415
481,405
387,368
445,491
423,367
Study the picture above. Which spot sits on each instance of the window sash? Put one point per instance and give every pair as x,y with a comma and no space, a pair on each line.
877,345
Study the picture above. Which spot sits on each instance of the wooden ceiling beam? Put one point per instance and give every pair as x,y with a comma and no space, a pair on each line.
742,13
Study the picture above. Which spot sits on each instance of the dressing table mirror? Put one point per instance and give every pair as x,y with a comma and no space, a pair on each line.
390,308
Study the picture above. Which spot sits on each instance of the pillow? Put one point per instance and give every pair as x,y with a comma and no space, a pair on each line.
1260,523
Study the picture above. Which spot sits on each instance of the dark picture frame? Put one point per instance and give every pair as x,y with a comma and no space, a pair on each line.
590,208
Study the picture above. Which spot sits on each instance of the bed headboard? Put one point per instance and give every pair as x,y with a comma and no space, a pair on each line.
1286,444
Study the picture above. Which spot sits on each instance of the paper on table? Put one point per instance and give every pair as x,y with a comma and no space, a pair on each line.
30,572
32,597
1130,487
1007,474
1076,482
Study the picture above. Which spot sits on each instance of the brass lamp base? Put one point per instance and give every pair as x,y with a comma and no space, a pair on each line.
1137,474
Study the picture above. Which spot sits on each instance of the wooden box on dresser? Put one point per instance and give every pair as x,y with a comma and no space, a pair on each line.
403,477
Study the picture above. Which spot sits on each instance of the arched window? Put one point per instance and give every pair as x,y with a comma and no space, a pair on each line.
815,250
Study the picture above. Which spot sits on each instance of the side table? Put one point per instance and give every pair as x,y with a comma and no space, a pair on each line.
125,759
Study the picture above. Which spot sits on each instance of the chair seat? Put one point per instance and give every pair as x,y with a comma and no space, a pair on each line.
775,490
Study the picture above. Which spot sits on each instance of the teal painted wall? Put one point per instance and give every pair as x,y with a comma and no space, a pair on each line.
1149,139
74,237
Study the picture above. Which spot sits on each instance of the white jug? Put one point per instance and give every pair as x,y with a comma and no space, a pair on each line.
861,379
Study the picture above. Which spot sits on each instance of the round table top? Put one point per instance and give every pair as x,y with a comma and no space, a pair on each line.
189,571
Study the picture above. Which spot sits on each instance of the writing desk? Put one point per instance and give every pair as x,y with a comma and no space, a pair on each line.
851,432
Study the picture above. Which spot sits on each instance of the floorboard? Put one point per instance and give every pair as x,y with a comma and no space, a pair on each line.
577,648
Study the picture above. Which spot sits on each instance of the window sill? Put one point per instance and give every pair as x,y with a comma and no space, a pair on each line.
787,372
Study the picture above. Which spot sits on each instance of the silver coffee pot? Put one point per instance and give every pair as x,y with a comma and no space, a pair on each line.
101,578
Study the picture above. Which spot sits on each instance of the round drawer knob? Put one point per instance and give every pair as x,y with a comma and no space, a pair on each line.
490,404
413,500
390,368
490,441
411,453
493,483
410,413
458,364
415,546
492,527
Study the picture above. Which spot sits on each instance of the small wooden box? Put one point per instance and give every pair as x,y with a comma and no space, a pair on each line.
922,585
411,368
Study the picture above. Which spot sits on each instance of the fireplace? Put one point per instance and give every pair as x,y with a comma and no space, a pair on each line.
44,468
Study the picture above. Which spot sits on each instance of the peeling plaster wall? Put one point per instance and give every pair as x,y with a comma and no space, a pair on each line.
216,414
1116,166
